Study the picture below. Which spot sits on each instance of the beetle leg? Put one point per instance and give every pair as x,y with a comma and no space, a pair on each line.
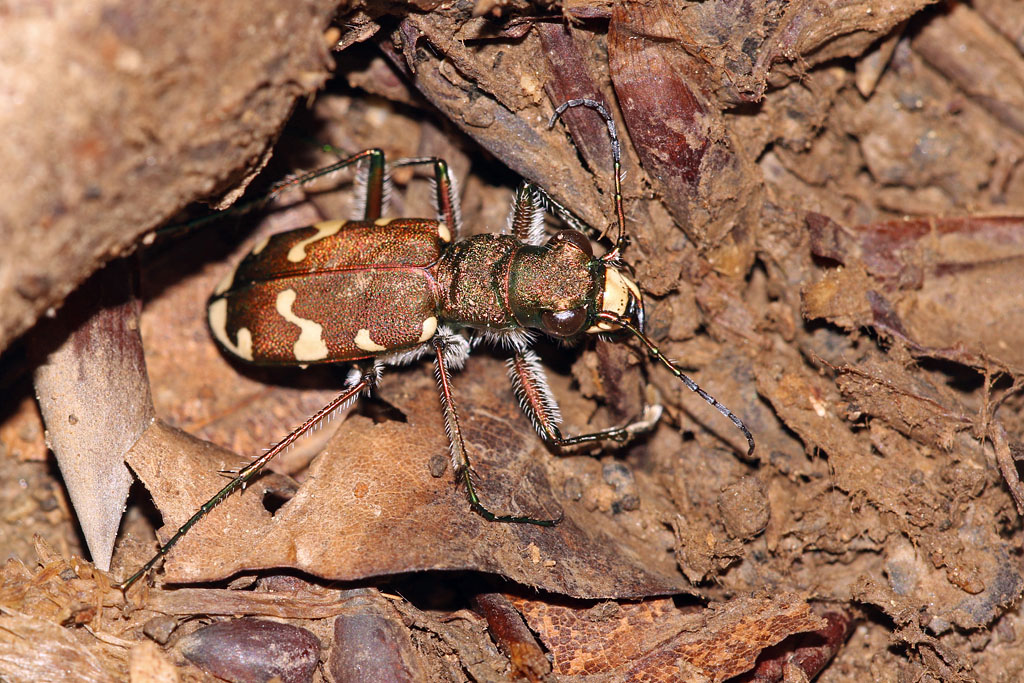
442,343
359,381
564,214
526,217
373,189
376,191
531,388
446,191
374,180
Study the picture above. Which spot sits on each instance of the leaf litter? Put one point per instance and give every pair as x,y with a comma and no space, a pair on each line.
846,278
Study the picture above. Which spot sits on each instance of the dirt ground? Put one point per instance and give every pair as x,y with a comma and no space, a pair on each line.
825,206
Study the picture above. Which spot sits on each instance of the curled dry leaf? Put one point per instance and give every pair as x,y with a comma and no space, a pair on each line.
819,33
94,396
370,506
803,654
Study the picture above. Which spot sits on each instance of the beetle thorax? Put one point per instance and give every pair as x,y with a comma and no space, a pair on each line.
471,277
497,282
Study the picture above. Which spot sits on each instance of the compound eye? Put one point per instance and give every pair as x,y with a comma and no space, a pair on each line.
577,238
564,323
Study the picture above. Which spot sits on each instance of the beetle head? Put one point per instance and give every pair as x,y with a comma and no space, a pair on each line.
554,286
591,293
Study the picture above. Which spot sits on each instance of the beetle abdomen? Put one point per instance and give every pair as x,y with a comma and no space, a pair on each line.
331,292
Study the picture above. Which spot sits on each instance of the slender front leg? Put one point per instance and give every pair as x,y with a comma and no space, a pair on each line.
358,382
531,387
460,458
372,179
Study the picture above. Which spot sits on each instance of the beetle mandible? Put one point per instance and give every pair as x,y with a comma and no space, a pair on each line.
377,292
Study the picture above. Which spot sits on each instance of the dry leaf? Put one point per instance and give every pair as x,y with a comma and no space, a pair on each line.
370,506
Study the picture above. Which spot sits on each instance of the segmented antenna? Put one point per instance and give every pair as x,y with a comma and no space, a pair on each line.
656,353
620,214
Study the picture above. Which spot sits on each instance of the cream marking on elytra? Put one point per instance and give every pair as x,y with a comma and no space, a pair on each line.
226,282
364,342
324,229
310,344
261,245
382,221
443,232
617,289
429,327
217,313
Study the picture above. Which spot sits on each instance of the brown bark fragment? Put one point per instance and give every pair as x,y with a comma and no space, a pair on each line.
975,57
512,636
657,642
145,108
678,132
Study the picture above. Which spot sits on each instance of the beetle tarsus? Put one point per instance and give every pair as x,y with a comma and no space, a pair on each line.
478,507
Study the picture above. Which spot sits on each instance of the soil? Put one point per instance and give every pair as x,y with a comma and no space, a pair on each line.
825,211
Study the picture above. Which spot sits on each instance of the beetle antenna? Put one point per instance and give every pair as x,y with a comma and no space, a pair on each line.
655,352
620,214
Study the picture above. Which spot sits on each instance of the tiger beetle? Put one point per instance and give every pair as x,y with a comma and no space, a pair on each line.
379,291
